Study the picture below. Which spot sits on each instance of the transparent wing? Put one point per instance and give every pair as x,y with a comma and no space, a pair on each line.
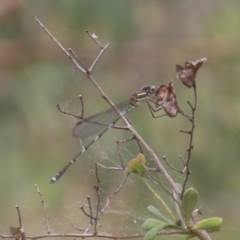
96,123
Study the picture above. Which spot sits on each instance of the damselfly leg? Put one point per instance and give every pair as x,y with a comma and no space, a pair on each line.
154,110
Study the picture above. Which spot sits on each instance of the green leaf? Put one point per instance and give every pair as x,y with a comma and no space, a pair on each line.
151,223
190,199
150,235
136,164
176,208
209,224
157,214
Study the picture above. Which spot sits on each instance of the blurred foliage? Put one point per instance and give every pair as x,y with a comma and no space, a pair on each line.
148,38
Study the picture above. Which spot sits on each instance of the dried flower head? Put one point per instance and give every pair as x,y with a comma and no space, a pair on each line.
188,74
17,233
167,99
161,95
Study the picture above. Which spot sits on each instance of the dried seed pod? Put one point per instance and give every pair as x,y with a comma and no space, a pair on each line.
161,95
171,108
167,99
17,233
188,74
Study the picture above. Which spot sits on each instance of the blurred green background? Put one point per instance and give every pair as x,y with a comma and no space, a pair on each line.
148,38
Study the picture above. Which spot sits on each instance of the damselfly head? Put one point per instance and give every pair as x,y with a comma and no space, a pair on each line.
149,89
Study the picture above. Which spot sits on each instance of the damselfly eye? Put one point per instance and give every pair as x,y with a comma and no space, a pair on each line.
148,89
153,87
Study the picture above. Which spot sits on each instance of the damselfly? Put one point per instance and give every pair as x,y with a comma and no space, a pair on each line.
101,122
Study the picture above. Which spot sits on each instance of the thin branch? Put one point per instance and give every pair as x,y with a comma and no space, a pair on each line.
120,168
183,131
85,213
120,155
100,235
105,207
184,164
99,55
185,115
183,160
90,209
94,37
98,212
195,97
98,191
87,229
19,216
71,52
124,141
172,167
190,146
61,46
191,106
121,185
111,168
45,209
76,228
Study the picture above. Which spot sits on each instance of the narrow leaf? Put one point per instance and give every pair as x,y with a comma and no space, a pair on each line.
176,208
150,235
151,223
157,214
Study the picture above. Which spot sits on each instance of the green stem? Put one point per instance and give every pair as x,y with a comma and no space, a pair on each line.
158,198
